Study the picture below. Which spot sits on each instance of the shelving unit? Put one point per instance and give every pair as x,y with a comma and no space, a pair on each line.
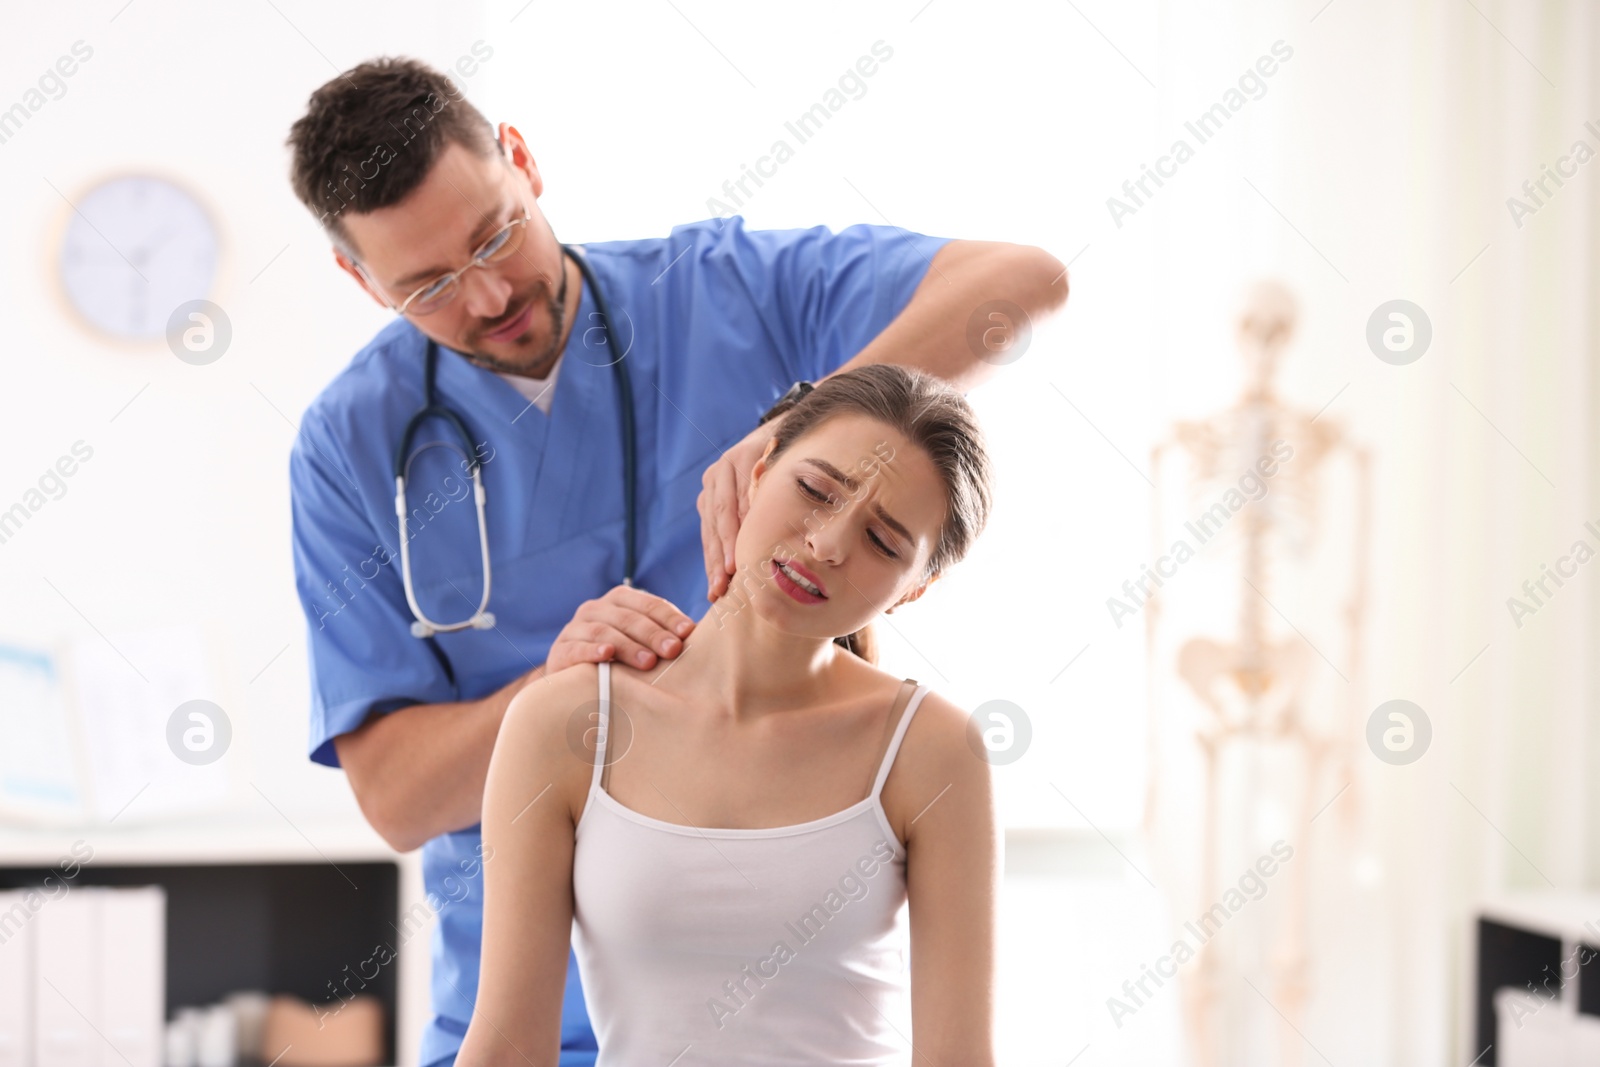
1544,942
262,903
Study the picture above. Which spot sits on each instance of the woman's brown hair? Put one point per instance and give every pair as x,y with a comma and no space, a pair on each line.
933,417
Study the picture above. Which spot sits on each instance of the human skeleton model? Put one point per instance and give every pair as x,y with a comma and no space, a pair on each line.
1253,688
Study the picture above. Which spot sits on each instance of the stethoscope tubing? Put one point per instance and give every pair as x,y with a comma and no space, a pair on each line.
482,618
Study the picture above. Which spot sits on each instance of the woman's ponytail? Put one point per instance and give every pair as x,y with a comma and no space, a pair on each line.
864,643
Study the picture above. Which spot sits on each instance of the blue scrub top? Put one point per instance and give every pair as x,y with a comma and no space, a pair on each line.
716,322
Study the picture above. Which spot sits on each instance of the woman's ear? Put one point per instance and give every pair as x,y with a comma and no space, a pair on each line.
758,469
915,594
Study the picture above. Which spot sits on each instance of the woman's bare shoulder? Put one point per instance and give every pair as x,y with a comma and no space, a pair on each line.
548,730
941,756
943,730
544,707
938,723
938,728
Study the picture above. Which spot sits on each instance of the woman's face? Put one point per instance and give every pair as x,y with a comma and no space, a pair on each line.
839,527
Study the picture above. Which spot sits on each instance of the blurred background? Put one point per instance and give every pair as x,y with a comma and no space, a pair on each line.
1364,231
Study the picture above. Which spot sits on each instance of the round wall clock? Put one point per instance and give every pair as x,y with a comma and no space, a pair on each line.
135,248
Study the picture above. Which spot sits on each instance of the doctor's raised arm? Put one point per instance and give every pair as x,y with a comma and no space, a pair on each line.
974,304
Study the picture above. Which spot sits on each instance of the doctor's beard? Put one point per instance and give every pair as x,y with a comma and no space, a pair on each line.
544,359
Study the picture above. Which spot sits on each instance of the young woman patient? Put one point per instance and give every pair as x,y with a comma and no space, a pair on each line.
728,840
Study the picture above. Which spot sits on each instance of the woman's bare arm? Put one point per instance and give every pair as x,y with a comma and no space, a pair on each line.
534,784
952,882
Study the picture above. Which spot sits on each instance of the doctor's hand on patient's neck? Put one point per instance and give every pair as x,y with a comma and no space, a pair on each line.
628,625
722,505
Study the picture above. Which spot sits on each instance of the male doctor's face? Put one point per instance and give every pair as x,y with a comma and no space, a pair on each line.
459,205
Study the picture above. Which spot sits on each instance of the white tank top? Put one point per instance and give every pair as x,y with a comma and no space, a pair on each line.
714,946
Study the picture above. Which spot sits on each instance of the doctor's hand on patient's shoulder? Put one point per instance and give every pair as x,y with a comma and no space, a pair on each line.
626,624
723,502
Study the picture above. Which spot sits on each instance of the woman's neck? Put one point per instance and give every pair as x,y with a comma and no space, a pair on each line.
740,664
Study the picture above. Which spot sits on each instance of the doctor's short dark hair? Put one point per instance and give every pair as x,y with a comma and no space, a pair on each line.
370,136
933,417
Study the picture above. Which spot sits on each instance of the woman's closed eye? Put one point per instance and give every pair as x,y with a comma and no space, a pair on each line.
812,492
824,498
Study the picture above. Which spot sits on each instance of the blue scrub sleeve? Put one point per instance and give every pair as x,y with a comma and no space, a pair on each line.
347,576
823,296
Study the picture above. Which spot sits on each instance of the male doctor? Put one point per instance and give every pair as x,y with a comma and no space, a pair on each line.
437,216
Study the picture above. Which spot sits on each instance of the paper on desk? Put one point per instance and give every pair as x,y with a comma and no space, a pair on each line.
126,688
38,772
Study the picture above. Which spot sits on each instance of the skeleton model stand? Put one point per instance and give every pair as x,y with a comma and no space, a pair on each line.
1263,724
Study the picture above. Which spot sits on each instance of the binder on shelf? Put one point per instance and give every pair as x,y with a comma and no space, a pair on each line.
66,980
133,976
16,980
99,978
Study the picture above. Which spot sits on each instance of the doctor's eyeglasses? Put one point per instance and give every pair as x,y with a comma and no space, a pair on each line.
431,296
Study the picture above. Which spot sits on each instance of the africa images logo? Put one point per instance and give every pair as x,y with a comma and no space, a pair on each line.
1251,886
1203,128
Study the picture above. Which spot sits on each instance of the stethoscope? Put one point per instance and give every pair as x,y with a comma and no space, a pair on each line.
482,618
